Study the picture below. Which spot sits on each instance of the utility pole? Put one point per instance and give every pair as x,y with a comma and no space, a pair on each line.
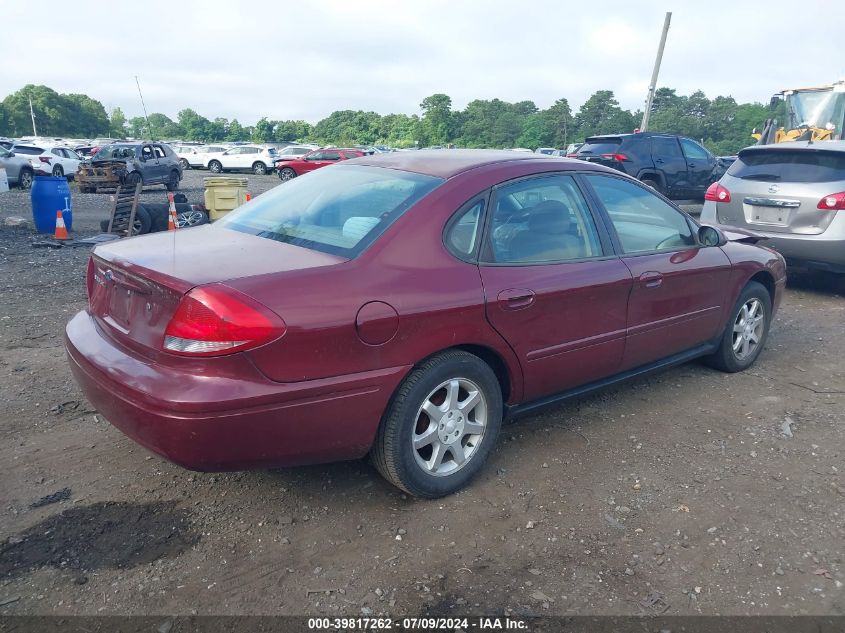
143,105
32,114
653,85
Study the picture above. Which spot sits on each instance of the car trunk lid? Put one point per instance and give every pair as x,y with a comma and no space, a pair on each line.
135,285
778,190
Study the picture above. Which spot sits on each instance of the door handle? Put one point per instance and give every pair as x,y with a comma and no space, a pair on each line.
658,160
651,279
691,165
515,298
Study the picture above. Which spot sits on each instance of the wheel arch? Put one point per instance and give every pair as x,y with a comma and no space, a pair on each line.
767,280
651,174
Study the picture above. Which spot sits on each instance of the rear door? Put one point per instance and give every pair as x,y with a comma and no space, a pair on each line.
151,165
669,160
679,287
779,189
554,290
700,166
604,150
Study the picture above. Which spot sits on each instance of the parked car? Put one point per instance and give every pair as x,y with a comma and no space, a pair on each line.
50,160
314,160
401,305
548,151
19,171
293,152
6,143
86,151
791,193
675,166
571,150
255,158
144,162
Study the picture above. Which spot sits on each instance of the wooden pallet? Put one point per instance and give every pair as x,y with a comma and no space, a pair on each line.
123,210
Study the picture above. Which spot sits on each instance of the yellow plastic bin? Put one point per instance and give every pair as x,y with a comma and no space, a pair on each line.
222,194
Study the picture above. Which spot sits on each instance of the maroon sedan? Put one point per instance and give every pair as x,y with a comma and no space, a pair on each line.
401,306
289,169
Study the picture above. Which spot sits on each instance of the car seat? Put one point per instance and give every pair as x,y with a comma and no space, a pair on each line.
549,236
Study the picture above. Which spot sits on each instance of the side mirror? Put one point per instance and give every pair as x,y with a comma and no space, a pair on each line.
711,236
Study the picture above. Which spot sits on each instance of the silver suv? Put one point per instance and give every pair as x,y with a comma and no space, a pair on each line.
793,194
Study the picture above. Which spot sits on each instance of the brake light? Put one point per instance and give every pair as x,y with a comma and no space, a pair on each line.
833,202
717,193
44,159
89,279
617,157
214,320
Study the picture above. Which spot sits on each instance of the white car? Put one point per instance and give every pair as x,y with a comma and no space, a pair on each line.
258,159
193,156
49,160
292,152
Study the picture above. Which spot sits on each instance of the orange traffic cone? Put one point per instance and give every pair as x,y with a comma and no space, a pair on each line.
61,229
171,217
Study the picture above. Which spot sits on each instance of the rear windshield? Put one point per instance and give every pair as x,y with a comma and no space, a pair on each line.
789,165
600,146
339,210
28,151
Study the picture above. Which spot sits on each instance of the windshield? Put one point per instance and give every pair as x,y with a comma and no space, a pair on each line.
817,109
339,210
115,152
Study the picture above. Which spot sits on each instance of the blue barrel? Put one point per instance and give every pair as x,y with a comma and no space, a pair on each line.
50,194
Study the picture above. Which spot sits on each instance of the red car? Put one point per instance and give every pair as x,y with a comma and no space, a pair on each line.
288,169
401,305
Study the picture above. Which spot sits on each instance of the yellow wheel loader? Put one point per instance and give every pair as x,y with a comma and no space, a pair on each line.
813,114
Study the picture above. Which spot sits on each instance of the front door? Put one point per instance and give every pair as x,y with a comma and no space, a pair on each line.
553,289
679,286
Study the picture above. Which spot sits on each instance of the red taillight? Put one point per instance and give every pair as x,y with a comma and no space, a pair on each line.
89,279
214,320
44,159
833,202
717,193
617,157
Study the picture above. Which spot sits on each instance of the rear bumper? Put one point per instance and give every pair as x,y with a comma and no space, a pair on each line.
230,416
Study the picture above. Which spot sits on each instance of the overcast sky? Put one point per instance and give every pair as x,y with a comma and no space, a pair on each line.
302,60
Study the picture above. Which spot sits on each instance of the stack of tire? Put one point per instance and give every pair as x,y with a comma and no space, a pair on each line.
152,217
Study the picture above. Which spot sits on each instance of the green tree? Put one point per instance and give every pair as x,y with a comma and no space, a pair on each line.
558,125
601,114
117,123
195,126
236,132
437,110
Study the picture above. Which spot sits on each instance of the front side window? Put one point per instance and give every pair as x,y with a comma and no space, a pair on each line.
693,149
314,156
339,211
643,222
544,219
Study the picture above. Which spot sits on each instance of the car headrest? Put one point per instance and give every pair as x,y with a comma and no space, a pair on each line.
357,227
550,216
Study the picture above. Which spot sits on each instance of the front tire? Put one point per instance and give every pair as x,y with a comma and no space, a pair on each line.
25,179
746,331
58,172
183,162
286,174
440,426
173,183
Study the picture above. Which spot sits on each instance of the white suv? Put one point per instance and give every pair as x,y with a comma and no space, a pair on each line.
258,159
49,160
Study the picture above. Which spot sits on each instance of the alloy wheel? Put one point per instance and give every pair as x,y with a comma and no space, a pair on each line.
189,218
748,328
450,426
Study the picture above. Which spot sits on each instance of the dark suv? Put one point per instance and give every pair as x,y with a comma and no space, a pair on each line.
122,164
675,166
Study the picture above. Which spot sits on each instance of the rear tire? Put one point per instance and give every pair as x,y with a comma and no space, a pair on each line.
417,451
215,167
259,168
746,331
143,222
650,182
183,162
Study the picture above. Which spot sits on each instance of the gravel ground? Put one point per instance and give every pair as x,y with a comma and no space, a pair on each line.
689,492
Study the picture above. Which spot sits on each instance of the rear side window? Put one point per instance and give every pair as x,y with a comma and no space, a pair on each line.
541,220
464,232
665,146
338,211
331,156
600,146
789,165
693,149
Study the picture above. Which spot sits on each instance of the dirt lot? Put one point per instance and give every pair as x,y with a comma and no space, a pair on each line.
687,492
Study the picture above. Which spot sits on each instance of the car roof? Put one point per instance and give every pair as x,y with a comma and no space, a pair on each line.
835,146
445,163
